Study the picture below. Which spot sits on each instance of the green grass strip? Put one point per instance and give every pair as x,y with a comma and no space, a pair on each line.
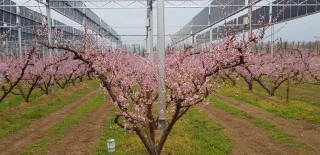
297,95
293,110
16,100
194,133
56,133
309,86
11,121
273,131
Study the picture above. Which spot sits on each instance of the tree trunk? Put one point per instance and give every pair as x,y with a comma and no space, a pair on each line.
271,92
46,91
46,88
73,82
249,82
26,99
233,82
250,85
59,84
288,85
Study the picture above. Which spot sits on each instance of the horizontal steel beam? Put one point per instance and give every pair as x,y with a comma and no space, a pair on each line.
113,0
141,35
112,26
177,7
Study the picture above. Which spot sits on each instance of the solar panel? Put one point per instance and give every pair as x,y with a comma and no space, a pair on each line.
200,19
1,16
13,8
7,2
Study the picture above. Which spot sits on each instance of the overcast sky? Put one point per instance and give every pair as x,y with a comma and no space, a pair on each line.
132,21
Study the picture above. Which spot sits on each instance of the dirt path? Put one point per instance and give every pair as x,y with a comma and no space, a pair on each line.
304,131
311,98
83,139
15,142
305,90
248,138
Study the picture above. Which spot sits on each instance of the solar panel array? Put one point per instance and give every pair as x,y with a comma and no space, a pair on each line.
70,33
217,14
77,14
183,32
30,18
209,16
290,12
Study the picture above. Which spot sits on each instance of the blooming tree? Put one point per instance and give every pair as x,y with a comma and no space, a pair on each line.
251,70
229,74
131,81
13,69
279,68
69,72
36,74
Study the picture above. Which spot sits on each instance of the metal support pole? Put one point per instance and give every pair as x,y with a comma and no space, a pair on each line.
148,32
50,39
25,48
84,17
43,53
19,31
272,27
55,50
194,49
161,54
250,18
148,37
272,39
196,45
151,32
7,45
210,42
192,40
210,33
110,45
6,39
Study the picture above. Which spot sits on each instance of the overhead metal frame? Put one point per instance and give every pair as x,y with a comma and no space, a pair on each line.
314,5
167,7
22,20
87,16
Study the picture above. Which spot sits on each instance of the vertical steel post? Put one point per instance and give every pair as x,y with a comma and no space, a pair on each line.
50,38
193,46
7,45
148,35
84,11
271,29
209,22
148,31
151,31
43,53
250,18
25,48
6,39
19,31
161,54
192,39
